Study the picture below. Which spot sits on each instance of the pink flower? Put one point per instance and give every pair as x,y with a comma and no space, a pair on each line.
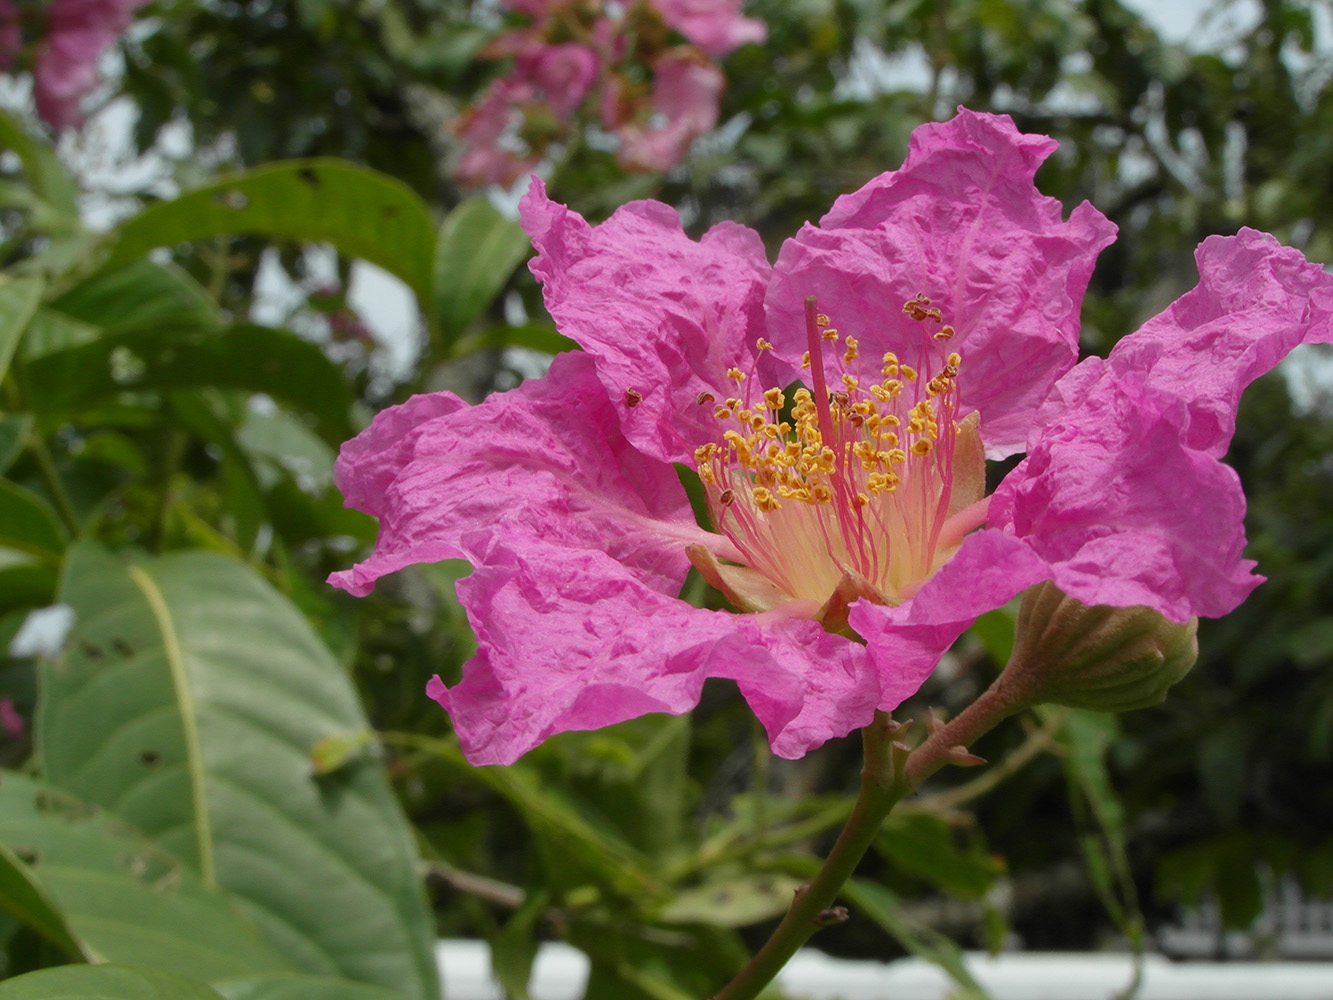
614,44
938,306
564,73
716,26
66,69
10,720
686,92
493,149
11,38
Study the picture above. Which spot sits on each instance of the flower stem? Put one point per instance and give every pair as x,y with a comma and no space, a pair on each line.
882,785
891,771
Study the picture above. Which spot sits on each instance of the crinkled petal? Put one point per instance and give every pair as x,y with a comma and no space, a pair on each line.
905,643
963,223
1125,511
567,639
546,457
1255,301
662,315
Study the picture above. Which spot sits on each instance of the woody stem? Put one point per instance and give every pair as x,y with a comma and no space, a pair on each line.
890,772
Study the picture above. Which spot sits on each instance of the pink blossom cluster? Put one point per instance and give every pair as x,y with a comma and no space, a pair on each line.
930,320
588,55
67,38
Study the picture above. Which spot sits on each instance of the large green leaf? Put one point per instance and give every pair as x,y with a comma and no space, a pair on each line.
18,302
477,251
288,987
363,213
259,359
103,982
190,697
122,897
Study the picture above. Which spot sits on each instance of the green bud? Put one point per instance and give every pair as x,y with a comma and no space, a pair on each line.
1103,658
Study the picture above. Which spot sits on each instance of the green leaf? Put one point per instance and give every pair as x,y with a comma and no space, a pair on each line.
14,430
43,169
477,251
52,331
103,982
191,695
560,826
534,336
882,906
28,524
137,296
926,846
514,948
255,358
733,902
282,986
32,543
123,897
363,213
25,582
24,897
19,300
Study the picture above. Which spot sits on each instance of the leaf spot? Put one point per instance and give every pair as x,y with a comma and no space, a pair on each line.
233,199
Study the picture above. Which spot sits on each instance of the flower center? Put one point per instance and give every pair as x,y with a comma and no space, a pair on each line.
863,478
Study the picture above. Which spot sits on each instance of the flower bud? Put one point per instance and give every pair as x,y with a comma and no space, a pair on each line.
1103,658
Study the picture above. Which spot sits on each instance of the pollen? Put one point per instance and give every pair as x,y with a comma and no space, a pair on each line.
856,477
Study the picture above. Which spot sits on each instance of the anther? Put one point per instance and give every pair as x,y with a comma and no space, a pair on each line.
704,397
633,397
726,498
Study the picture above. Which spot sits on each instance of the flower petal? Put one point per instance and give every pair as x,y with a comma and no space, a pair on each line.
1255,301
962,223
567,639
1127,513
662,315
548,457
905,643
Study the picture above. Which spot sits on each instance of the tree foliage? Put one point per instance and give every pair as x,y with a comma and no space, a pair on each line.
216,709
